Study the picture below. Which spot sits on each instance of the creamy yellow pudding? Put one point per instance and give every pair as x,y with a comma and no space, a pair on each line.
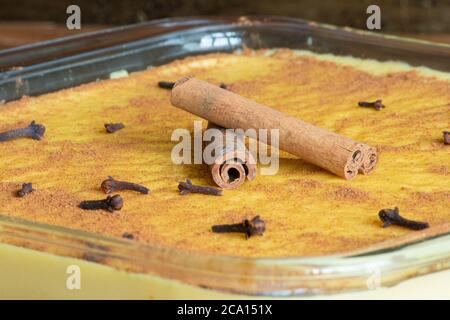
307,210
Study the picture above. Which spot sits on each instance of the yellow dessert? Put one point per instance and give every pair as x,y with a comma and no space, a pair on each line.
308,211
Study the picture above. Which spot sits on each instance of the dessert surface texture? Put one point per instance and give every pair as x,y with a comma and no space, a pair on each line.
307,210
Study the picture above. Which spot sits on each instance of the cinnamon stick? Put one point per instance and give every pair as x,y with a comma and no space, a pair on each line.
333,152
234,163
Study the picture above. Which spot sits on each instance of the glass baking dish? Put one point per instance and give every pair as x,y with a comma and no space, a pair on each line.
163,272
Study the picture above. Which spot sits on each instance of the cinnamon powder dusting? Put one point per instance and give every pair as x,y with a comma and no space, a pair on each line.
302,204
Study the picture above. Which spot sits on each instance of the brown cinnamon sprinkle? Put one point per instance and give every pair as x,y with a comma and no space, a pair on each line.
442,170
59,202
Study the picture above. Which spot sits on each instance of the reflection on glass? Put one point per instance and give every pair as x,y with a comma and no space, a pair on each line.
220,39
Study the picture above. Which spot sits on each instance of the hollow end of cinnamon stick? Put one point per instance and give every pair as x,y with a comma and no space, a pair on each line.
231,167
229,175
232,174
370,160
354,162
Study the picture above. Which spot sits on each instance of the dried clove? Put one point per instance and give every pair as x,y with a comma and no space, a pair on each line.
26,189
110,185
170,85
34,131
128,236
377,105
113,127
392,217
446,137
224,86
188,187
253,227
110,204
166,84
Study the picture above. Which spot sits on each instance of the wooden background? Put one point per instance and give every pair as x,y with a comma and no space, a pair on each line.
28,21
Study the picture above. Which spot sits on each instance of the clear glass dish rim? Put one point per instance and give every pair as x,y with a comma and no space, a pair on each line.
169,25
340,266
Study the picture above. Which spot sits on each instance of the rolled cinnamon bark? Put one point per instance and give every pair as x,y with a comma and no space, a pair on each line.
331,151
233,163
370,159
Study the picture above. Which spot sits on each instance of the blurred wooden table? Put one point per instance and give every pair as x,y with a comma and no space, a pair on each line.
13,34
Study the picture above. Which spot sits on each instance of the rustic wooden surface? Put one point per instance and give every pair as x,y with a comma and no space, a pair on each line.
412,16
14,34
